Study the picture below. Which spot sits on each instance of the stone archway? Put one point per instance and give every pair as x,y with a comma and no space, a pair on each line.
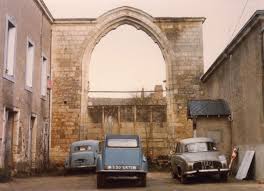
112,20
179,39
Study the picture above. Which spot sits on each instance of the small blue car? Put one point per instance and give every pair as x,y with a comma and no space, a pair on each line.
83,154
121,157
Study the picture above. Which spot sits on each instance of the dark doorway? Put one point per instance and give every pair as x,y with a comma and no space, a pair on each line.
7,147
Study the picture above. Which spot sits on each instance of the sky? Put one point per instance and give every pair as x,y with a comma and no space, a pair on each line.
127,59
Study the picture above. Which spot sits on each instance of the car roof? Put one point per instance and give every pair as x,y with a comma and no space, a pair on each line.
85,142
122,137
196,140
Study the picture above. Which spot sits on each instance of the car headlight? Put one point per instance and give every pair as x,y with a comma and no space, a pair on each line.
223,160
190,165
108,167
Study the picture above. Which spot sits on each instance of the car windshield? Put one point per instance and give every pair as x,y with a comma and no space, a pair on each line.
200,147
131,143
82,148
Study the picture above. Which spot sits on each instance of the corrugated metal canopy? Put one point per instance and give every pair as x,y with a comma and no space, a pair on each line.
207,108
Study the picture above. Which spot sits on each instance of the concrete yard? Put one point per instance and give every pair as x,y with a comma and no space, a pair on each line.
156,181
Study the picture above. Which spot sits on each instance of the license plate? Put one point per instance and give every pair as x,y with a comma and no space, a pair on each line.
118,167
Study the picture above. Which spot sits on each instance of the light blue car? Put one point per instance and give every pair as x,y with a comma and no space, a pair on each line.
121,157
83,154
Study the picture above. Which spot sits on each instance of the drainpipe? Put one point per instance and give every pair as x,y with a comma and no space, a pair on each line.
50,97
194,127
262,59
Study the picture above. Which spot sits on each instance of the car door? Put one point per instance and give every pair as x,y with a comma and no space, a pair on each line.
175,158
179,162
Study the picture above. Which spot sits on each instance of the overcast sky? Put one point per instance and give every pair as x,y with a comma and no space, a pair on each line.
127,59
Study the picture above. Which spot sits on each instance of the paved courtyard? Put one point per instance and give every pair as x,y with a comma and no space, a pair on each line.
156,181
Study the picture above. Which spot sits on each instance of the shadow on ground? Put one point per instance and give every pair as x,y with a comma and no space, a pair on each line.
121,183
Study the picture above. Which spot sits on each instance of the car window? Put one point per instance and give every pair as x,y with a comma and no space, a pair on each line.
131,143
178,148
101,146
82,148
200,147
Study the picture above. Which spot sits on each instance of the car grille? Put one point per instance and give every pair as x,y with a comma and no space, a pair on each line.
82,162
207,165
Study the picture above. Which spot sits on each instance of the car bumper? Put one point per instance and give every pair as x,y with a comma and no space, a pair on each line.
84,166
122,174
122,171
207,171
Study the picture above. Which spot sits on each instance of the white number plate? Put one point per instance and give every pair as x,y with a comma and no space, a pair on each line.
118,167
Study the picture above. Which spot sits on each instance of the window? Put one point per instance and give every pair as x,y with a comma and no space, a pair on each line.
10,45
200,147
44,76
130,143
143,113
29,63
178,148
126,114
159,114
82,148
95,114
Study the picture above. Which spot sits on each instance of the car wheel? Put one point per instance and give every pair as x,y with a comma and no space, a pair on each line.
100,180
224,177
181,176
67,171
143,180
173,174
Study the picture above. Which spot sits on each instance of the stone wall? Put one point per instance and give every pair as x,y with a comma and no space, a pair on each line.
147,121
22,103
218,128
184,73
73,40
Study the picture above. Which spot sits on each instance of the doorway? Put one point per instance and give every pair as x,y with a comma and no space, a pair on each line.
7,138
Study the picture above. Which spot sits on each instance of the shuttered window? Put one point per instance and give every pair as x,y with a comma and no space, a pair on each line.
29,63
44,76
10,48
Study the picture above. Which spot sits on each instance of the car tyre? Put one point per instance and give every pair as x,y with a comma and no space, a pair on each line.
143,180
224,177
100,180
183,179
181,176
67,171
173,174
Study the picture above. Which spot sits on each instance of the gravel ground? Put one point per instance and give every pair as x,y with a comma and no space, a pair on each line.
155,181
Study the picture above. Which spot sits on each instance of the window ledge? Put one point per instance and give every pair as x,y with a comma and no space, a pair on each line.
9,78
44,98
29,89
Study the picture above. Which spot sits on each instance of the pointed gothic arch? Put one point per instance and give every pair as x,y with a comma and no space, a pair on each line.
73,41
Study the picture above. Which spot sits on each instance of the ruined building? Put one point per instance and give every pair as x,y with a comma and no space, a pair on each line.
144,116
73,40
39,121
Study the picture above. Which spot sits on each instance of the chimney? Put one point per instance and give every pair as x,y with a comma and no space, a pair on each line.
142,93
158,92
